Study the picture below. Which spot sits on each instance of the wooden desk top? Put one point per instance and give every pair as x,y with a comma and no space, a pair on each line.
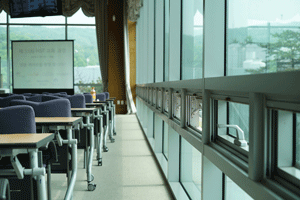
25,140
88,110
62,121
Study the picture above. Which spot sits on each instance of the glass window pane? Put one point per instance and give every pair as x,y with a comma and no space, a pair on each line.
192,39
167,38
260,41
37,33
190,169
3,17
233,191
86,60
3,55
195,117
239,115
79,89
159,99
176,105
38,20
80,18
297,163
166,101
166,140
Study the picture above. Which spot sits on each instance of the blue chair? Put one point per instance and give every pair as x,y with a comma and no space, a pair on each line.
16,119
77,100
88,98
41,98
52,108
5,101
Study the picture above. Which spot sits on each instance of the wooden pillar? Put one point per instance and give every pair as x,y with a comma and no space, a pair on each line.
116,62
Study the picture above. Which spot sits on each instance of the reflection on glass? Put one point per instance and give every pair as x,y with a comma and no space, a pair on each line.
239,115
159,98
234,192
190,169
166,140
166,101
192,39
262,40
154,97
195,118
3,17
80,18
176,105
150,95
297,163
167,38
3,54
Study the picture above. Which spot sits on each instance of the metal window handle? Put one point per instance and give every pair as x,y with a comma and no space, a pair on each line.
240,136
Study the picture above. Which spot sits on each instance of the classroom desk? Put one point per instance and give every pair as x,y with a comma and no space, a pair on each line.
66,123
87,113
112,117
14,144
101,110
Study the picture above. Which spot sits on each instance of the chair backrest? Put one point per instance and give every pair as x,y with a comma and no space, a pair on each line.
36,98
106,95
5,101
77,101
49,97
17,119
52,108
101,97
88,98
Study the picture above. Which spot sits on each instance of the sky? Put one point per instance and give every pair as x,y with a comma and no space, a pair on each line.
246,12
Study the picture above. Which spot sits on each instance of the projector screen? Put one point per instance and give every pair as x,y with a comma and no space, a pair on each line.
43,64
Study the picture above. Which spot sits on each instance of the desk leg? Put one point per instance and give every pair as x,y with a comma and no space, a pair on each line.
105,148
73,142
100,142
90,176
114,108
40,180
111,124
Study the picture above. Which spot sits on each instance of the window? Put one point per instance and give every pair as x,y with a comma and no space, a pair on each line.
261,40
194,112
192,39
285,133
167,40
176,105
233,191
3,54
190,169
166,101
233,125
86,61
166,140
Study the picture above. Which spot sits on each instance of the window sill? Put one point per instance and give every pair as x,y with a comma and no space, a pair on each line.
231,141
293,171
178,191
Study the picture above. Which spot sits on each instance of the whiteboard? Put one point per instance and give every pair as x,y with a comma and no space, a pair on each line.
43,64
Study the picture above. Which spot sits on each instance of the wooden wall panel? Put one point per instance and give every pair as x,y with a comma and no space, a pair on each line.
116,71
132,53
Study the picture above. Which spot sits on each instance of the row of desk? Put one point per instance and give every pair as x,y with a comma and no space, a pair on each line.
14,144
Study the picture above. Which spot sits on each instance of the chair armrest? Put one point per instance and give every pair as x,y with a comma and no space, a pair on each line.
4,189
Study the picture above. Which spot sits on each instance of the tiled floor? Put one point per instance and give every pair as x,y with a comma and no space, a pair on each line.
129,170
